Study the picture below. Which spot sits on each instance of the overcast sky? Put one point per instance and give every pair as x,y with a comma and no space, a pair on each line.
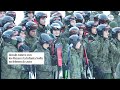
20,15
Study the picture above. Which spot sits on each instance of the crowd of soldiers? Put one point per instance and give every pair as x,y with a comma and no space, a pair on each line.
90,44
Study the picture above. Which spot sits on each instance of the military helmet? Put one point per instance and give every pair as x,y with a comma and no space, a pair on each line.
96,17
81,26
73,30
54,18
86,15
68,18
57,14
60,23
101,28
17,28
89,25
74,39
7,35
39,15
113,24
6,19
55,26
30,25
79,18
115,31
8,25
45,38
102,19
12,14
23,22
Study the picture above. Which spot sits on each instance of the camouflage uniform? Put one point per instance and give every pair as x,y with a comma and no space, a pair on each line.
115,53
9,71
41,29
76,67
99,55
45,71
29,41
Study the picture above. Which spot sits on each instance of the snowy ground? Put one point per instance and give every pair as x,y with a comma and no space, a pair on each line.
20,15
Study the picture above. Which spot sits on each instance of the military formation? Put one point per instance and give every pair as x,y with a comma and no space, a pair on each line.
90,42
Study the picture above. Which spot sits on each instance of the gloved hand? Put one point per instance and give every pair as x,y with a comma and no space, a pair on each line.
54,60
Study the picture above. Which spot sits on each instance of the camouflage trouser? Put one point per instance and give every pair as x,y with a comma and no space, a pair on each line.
98,74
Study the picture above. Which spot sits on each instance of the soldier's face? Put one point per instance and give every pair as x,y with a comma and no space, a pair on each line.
106,34
43,21
119,36
16,33
94,31
73,22
30,15
45,45
2,14
56,32
78,45
22,34
32,33
81,32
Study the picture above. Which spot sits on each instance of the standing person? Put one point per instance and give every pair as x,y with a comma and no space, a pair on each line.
115,47
41,20
99,53
45,71
9,71
30,38
76,63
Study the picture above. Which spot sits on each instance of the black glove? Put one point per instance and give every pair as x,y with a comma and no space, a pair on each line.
54,60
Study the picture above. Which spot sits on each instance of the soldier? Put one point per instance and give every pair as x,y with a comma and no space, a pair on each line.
91,28
76,63
96,20
9,71
19,32
23,23
45,71
116,16
99,53
8,25
23,48
61,24
79,18
30,38
41,20
103,19
30,16
11,13
86,16
115,47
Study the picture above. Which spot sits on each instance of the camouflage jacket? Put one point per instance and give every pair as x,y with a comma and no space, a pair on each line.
76,67
29,41
45,71
9,71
